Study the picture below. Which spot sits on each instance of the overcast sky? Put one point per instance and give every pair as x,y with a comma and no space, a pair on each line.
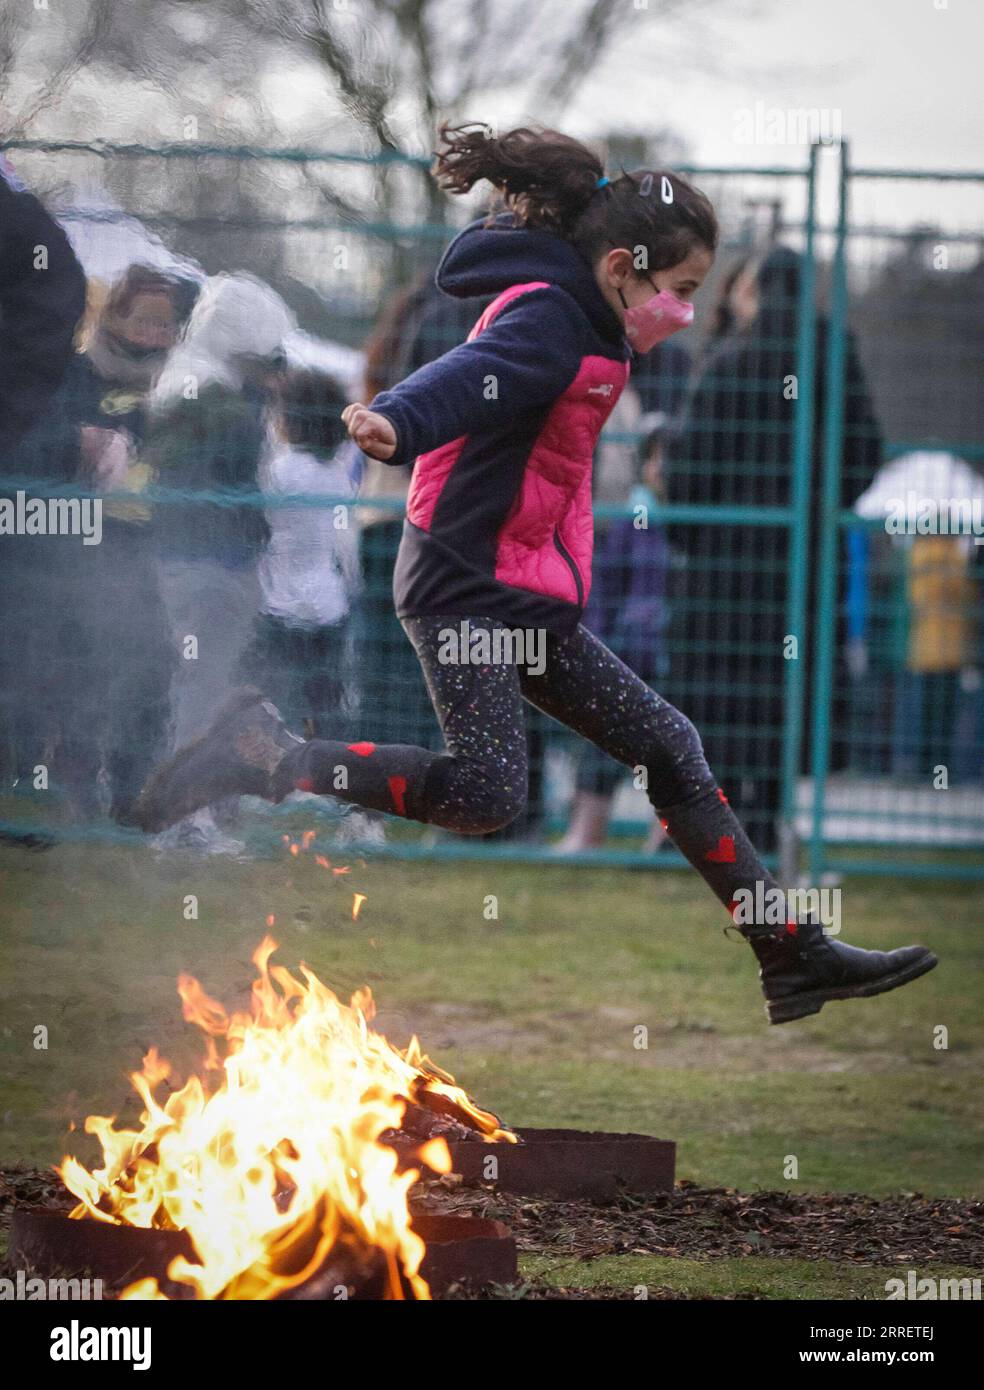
905,76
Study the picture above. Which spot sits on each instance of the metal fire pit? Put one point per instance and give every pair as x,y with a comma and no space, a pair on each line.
466,1251
51,1243
569,1163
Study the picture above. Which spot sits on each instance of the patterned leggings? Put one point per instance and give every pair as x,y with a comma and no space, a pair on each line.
479,784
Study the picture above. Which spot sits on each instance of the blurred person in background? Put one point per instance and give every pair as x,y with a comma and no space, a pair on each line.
914,593
121,657
734,447
939,687
42,299
737,302
207,434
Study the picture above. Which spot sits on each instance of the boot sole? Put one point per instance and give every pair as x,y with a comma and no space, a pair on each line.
812,1001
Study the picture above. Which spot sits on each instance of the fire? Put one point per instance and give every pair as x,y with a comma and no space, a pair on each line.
271,1157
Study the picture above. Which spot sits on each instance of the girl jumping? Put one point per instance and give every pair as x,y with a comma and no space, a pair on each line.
586,270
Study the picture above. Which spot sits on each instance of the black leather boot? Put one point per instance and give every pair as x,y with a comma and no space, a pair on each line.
236,757
802,969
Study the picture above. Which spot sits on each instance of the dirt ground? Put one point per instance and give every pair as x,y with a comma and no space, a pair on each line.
699,1222
689,1223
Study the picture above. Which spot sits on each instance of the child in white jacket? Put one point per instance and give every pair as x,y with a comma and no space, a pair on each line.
309,570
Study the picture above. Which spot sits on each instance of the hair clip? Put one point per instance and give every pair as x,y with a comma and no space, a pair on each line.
603,181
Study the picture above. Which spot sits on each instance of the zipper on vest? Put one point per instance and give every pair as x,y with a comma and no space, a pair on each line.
569,558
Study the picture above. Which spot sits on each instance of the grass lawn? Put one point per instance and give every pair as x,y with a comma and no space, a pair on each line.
646,1276
536,1009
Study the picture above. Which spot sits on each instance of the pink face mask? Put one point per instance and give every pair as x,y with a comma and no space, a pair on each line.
662,315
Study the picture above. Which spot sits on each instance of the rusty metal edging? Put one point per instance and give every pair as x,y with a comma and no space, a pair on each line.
461,1250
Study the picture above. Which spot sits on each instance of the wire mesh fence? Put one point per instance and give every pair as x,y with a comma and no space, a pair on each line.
743,566
906,705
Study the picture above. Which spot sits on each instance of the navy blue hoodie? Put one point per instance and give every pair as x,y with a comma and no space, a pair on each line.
532,351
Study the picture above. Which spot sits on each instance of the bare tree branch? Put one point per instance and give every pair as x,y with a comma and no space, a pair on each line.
98,22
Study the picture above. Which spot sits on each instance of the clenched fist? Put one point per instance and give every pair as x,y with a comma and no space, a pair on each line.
373,433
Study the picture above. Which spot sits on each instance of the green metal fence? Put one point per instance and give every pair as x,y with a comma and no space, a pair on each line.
907,275
773,614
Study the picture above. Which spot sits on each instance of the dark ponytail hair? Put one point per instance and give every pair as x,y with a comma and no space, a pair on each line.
549,180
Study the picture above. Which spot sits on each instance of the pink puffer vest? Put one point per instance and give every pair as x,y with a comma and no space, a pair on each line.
546,541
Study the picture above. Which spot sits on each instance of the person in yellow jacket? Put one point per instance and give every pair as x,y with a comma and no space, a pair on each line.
942,605
941,649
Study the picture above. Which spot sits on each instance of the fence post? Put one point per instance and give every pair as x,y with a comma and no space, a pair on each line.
829,550
799,534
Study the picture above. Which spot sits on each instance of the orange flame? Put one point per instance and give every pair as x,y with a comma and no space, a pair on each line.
357,900
280,1162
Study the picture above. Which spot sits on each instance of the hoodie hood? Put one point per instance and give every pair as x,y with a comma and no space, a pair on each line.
779,275
486,259
234,316
778,280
